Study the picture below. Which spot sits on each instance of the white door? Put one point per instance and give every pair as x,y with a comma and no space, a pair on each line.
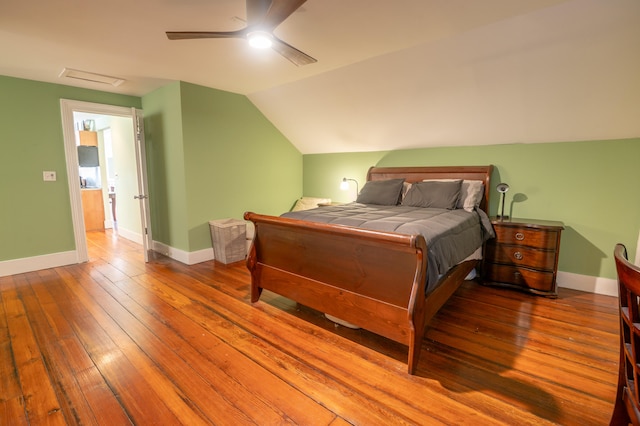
143,188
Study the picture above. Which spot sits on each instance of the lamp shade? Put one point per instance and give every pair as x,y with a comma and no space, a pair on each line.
344,185
502,188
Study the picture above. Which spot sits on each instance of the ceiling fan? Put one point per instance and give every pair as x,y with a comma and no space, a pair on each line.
263,16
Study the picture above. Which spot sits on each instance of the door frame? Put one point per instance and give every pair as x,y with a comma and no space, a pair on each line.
67,108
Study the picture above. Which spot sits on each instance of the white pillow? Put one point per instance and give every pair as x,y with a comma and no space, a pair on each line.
471,193
306,203
406,186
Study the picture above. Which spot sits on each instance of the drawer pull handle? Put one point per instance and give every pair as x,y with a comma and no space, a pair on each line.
519,236
518,255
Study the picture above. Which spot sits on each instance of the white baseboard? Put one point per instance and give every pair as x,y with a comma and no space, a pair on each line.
36,263
189,258
130,235
589,284
598,285
185,257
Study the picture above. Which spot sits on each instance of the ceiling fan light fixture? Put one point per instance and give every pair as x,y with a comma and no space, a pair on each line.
260,39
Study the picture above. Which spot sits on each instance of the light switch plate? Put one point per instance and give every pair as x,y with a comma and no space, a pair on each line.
49,176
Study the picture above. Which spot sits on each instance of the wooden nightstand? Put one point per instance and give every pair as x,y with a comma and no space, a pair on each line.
523,255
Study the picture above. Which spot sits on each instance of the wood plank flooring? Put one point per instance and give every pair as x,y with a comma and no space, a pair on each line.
116,341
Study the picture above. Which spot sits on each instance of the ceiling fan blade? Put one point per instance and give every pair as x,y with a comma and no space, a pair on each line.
256,11
262,15
278,12
188,35
295,56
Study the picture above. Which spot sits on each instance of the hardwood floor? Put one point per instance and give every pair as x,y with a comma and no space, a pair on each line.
116,341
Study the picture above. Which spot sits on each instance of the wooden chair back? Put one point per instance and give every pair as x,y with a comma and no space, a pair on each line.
627,405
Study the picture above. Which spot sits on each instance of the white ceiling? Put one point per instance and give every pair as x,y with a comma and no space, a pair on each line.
390,74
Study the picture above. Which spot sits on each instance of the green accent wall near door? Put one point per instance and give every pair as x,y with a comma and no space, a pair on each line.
213,155
165,166
35,216
210,155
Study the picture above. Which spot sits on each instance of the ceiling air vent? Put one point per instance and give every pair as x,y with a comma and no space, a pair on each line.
92,77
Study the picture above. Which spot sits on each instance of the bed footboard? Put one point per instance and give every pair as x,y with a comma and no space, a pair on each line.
345,272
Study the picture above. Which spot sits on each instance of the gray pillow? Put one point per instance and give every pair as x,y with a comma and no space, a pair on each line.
383,192
441,195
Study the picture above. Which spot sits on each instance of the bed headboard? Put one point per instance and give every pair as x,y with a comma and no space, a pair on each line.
418,174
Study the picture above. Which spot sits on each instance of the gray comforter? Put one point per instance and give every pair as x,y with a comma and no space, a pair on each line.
451,235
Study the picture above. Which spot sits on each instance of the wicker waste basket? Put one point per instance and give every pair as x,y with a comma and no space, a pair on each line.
229,240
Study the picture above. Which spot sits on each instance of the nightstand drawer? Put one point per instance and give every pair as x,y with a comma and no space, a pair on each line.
523,255
537,280
543,239
520,256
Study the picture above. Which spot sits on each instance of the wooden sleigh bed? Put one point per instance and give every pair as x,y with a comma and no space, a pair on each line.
346,272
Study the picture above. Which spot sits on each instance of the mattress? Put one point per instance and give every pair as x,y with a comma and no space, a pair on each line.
451,235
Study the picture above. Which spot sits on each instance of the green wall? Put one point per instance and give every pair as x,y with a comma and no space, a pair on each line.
213,155
590,186
324,172
166,165
35,216
237,161
210,155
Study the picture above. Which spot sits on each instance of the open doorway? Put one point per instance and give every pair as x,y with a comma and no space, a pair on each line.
108,185
104,148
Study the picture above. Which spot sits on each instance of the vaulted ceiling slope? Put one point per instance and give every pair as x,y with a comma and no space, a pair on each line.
390,75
